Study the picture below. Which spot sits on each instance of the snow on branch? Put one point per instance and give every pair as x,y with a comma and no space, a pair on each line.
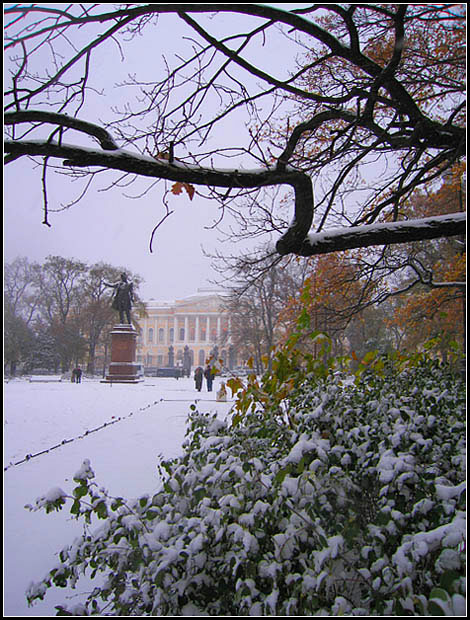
62,120
296,240
407,231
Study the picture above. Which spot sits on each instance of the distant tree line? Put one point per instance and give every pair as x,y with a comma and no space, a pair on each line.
56,314
325,295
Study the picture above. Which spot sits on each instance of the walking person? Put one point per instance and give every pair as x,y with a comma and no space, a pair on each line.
198,376
209,375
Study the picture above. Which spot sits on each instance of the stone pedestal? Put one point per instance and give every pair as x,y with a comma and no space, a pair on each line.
123,368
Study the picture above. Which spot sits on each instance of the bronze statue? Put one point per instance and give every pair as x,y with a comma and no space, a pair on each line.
123,297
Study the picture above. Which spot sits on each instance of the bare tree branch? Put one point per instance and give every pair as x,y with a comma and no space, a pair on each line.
426,276
61,120
374,84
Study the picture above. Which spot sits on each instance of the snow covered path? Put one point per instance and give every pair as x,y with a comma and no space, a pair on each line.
142,422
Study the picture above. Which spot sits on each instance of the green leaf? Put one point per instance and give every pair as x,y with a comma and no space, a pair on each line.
435,609
440,594
301,465
80,491
282,473
369,357
75,509
448,578
199,494
101,510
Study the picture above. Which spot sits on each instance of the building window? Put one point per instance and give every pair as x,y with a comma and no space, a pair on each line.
172,334
202,333
150,334
192,333
182,334
161,335
213,329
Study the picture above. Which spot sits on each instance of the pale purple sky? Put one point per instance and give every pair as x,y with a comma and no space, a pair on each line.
106,226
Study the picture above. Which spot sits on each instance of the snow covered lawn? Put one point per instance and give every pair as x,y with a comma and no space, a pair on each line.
134,425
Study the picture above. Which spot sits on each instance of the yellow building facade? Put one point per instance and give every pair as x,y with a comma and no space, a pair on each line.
198,324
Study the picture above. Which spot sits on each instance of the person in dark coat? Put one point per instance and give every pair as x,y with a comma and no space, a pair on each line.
77,375
209,375
198,376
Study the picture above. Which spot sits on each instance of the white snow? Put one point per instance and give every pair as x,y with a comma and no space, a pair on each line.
54,494
330,234
120,429
449,492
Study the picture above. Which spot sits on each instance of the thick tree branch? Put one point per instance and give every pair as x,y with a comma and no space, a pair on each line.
383,234
296,240
141,165
362,76
39,116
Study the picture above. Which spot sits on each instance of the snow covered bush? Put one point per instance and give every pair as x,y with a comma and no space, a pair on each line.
318,496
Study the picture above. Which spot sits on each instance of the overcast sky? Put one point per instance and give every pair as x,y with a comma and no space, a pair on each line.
108,227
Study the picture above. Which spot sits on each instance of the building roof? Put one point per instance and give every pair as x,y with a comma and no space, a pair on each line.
203,297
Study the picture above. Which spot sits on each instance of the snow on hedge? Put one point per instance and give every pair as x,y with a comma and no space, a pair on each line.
351,502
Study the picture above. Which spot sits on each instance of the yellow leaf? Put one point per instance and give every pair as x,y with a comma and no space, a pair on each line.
235,384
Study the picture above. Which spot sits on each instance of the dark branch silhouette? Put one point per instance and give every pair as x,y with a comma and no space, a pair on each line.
368,88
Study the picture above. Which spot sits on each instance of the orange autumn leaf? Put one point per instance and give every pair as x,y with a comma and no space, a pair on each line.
178,187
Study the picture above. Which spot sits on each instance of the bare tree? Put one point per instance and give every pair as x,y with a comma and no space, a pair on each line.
362,86
95,313
65,300
255,306
18,284
18,310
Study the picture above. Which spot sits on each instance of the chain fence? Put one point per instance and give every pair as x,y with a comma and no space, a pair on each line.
64,442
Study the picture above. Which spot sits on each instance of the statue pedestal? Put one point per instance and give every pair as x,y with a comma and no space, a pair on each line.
123,368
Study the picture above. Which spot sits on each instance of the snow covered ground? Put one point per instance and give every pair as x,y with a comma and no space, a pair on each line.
134,425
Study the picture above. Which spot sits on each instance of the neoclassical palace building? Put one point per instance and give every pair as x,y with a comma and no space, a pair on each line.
197,324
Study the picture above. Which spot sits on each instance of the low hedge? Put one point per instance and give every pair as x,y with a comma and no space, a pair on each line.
318,496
